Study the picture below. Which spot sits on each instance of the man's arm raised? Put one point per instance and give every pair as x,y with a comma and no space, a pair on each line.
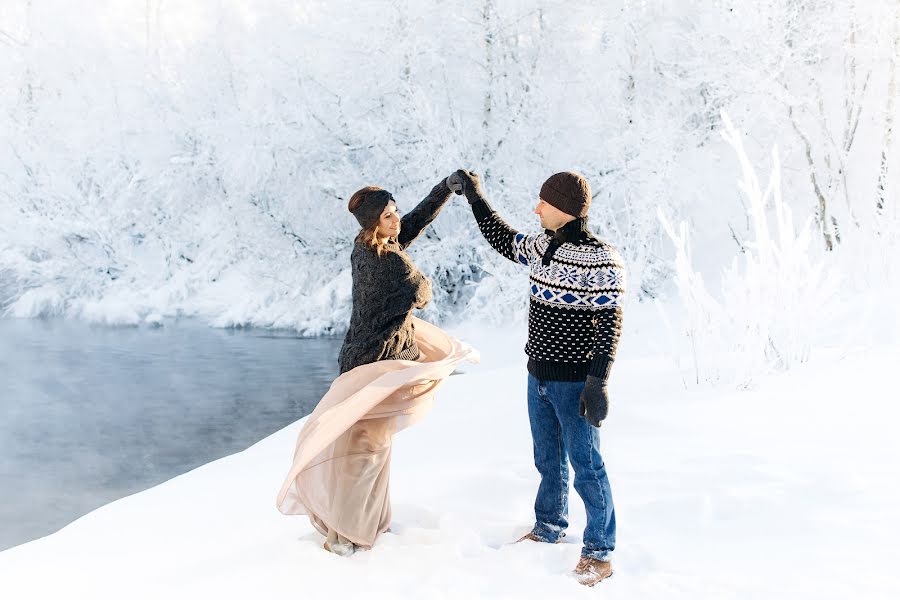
502,238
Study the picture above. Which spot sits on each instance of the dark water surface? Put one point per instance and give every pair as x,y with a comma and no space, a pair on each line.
90,414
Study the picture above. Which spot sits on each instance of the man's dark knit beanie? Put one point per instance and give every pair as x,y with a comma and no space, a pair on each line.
371,208
569,192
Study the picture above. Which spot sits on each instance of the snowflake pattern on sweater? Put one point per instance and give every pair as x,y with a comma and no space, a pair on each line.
575,308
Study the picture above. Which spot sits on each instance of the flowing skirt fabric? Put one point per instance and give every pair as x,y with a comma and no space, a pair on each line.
341,470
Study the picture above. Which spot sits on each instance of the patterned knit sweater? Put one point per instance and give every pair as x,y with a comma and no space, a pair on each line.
577,285
386,289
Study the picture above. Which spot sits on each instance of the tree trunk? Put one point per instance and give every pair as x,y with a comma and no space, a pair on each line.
152,22
488,16
825,221
882,191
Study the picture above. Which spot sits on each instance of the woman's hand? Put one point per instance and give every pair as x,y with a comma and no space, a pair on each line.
471,185
455,183
423,292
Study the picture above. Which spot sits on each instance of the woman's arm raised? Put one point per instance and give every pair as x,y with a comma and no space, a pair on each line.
415,221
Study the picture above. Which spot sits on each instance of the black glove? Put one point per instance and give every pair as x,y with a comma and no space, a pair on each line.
456,183
471,185
594,402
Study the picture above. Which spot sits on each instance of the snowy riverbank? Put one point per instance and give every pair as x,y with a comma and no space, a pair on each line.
788,491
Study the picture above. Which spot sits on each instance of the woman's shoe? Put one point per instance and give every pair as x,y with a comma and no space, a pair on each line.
340,548
338,544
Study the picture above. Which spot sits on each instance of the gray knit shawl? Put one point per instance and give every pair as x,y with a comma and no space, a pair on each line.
386,289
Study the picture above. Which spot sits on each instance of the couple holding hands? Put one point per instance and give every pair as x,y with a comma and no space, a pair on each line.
392,362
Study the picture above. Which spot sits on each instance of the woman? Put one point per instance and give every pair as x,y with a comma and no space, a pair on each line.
389,371
387,286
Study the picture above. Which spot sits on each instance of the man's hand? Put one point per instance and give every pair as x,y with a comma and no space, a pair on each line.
594,402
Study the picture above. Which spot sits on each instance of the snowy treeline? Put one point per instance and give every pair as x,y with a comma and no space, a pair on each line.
196,157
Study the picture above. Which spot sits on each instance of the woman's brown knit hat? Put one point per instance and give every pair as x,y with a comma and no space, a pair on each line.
569,192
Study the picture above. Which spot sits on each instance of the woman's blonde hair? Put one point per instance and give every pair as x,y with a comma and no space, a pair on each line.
367,235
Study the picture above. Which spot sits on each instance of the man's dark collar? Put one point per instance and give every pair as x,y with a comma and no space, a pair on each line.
573,231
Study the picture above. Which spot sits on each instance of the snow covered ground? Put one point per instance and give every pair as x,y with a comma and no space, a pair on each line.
786,491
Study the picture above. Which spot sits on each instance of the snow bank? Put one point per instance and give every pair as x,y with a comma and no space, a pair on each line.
787,491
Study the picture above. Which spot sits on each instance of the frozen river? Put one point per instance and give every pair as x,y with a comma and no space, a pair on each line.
90,414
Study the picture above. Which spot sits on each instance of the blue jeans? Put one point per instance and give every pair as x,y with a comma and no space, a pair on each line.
561,435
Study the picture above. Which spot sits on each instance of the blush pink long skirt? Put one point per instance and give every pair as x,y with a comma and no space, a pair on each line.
342,461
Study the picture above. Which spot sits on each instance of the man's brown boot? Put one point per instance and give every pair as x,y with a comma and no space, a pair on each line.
530,537
591,571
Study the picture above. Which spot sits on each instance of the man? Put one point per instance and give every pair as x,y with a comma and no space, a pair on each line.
574,323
